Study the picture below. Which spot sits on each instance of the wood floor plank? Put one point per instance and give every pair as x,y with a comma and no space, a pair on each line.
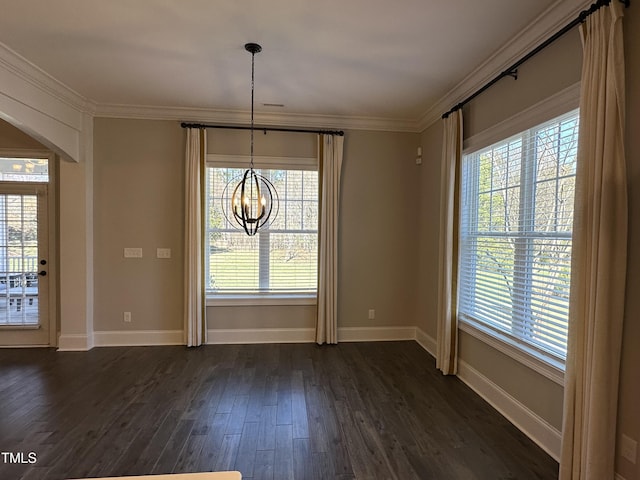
321,465
299,417
116,439
302,459
212,446
366,460
279,411
148,457
264,465
189,457
284,453
169,457
135,458
228,452
284,411
267,428
238,415
256,395
246,459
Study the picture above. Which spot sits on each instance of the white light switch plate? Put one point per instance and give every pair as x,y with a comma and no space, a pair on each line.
163,253
132,253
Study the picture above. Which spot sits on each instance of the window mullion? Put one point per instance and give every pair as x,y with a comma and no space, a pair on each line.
474,223
523,251
264,259
264,241
557,179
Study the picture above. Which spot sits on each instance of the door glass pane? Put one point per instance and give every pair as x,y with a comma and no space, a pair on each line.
24,169
18,260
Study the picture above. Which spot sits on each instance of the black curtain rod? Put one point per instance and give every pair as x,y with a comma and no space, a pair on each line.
512,71
264,129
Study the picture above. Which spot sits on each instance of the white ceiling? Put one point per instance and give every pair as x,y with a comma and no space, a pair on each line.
380,59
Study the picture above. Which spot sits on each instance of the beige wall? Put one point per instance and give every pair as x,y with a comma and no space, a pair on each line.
629,411
552,70
271,144
429,249
138,202
379,230
11,137
261,317
138,187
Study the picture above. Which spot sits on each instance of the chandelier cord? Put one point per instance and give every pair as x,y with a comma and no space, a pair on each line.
253,204
253,55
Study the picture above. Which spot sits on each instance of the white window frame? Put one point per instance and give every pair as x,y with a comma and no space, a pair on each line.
260,298
545,363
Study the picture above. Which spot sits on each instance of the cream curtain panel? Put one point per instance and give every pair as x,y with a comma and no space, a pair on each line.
194,296
330,165
598,268
447,321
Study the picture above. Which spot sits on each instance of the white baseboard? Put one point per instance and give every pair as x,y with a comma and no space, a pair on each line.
528,422
74,343
533,426
131,338
427,342
138,338
307,335
376,334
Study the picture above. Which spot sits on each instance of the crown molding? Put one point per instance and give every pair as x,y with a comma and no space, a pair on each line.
204,115
544,26
13,62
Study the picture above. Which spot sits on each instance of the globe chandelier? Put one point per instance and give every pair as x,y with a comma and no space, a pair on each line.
254,201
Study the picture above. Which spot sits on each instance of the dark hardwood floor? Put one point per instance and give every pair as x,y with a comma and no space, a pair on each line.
286,411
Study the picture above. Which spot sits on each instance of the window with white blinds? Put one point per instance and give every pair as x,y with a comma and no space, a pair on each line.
515,235
281,259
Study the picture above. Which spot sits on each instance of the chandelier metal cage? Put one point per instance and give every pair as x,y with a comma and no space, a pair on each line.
253,202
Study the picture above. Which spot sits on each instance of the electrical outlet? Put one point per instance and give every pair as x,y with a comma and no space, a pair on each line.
628,449
132,253
372,314
163,253
127,317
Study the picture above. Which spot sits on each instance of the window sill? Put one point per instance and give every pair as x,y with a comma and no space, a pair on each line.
544,364
20,327
255,300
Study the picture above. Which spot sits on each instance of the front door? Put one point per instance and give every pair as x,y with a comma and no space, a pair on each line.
24,261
